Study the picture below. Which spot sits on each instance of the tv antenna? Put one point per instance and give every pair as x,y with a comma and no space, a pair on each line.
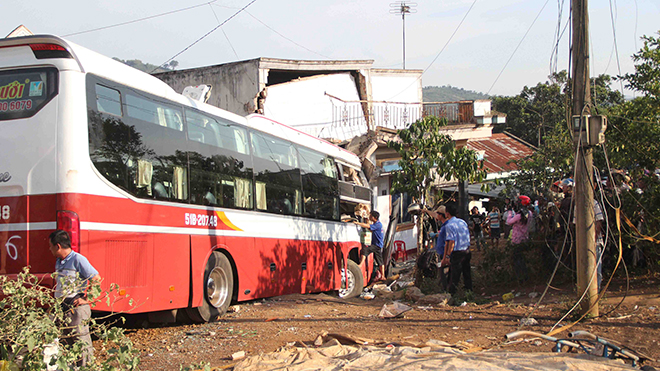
402,8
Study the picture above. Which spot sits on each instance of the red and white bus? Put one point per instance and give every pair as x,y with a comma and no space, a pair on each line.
181,204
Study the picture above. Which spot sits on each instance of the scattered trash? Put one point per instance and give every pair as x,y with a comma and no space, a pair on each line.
381,287
464,304
507,297
533,294
238,355
271,319
538,343
470,317
651,308
256,304
529,322
403,284
212,333
396,309
367,295
517,294
307,316
455,328
234,309
425,308
469,340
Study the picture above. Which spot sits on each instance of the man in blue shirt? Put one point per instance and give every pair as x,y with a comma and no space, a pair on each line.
72,274
457,249
377,237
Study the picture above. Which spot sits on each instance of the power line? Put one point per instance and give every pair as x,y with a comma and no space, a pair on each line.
616,47
224,33
205,35
516,49
286,38
139,20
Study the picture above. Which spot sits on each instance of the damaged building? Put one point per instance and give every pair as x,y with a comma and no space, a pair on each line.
335,100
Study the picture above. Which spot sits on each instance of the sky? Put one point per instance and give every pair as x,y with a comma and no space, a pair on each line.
462,43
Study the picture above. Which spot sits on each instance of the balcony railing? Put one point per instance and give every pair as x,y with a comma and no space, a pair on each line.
354,118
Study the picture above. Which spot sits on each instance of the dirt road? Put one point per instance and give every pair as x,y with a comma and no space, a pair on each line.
265,325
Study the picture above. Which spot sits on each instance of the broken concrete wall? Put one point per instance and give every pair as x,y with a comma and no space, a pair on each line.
303,104
235,85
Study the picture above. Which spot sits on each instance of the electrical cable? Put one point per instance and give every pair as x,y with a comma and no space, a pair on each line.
205,35
286,38
224,33
140,20
518,46
616,47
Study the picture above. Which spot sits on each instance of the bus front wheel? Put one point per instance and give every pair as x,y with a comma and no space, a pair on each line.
218,289
352,281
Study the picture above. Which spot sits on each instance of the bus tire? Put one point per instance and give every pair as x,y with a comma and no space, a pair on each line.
217,291
352,281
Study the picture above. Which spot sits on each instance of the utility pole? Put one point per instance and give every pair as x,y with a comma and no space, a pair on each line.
403,8
586,256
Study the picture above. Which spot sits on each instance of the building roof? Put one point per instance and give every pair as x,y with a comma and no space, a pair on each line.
499,149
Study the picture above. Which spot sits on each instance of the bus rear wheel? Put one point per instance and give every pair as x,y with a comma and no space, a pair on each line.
218,289
352,281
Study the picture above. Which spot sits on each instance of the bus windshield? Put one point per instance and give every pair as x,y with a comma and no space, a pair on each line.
24,92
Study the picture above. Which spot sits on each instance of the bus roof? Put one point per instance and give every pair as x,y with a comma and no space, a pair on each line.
95,63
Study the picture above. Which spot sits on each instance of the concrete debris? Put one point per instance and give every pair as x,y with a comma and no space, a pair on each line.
414,294
381,287
529,322
366,295
436,299
393,310
238,355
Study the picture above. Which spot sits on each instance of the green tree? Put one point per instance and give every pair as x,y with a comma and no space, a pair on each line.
32,320
634,133
538,110
428,154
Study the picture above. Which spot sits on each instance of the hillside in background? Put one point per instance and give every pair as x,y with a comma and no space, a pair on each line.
449,93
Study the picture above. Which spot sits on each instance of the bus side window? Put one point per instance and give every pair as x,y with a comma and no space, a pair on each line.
320,186
221,175
278,188
108,100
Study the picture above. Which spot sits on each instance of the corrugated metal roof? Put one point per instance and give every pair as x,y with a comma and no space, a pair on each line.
499,149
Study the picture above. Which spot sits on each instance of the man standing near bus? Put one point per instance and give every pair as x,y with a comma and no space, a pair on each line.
73,272
457,249
377,236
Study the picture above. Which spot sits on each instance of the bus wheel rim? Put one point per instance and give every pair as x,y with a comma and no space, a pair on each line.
347,282
216,287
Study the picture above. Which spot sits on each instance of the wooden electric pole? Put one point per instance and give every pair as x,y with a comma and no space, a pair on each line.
587,282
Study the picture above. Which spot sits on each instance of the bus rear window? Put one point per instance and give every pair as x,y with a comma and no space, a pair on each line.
24,92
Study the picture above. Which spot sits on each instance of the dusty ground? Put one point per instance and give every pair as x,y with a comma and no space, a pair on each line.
265,325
